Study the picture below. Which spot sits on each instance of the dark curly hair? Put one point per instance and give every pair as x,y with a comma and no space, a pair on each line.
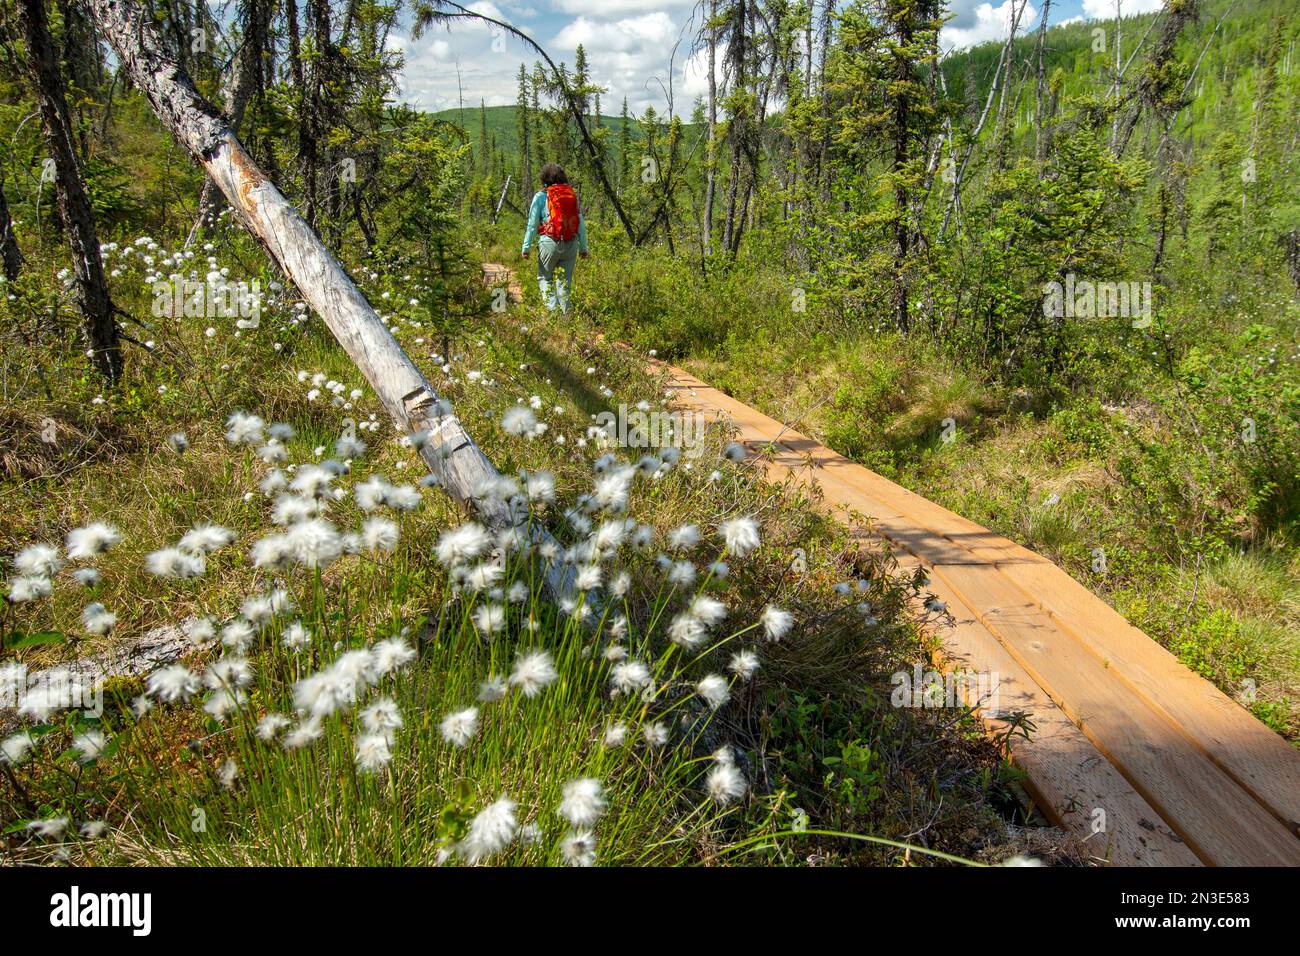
553,175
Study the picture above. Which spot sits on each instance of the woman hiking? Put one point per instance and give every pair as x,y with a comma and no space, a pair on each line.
557,217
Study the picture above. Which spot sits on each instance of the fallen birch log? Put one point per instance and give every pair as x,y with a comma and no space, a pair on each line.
82,679
451,455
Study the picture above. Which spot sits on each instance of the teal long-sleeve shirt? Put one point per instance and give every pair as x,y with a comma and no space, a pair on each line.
537,216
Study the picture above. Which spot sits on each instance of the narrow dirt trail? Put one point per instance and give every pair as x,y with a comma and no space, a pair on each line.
1145,761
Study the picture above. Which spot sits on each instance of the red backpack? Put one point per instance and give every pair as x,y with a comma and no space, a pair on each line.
561,213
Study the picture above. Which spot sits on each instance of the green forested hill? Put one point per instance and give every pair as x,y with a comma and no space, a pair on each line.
502,125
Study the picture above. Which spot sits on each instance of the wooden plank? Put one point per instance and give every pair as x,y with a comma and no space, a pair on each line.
942,530
1068,776
1252,754
1256,757
1221,822
1166,770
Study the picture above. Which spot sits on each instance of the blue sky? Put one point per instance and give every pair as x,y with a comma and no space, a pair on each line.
634,46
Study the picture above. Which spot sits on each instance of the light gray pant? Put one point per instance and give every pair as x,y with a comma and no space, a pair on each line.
552,255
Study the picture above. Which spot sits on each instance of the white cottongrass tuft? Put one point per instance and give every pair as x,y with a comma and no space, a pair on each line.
315,543
232,673
200,631
684,538
305,734
459,727
740,535
714,689
87,577
93,829
583,801
295,636
629,676
655,734
708,611
744,664
13,749
336,687
372,493
490,619
173,683
540,486
228,774
490,831
51,828
273,483
38,561
373,753
290,509
175,563
403,498
725,783
579,848
587,578
462,544
89,745
520,420
615,735
270,552
92,540
269,727
238,634
492,689
349,446
532,672
389,655
380,534
29,587
257,610
244,429
776,622
206,538
609,536
681,574
611,490
481,576
686,631
97,619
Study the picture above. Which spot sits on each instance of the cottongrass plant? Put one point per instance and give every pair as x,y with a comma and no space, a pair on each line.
513,725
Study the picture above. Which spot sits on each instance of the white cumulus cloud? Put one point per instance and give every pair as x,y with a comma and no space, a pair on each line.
979,23
1105,9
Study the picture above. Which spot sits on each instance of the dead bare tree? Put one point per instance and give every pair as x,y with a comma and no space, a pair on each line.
1040,141
449,452
9,251
954,202
711,156
99,322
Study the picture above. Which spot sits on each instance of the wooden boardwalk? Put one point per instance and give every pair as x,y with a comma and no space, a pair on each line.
1143,760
